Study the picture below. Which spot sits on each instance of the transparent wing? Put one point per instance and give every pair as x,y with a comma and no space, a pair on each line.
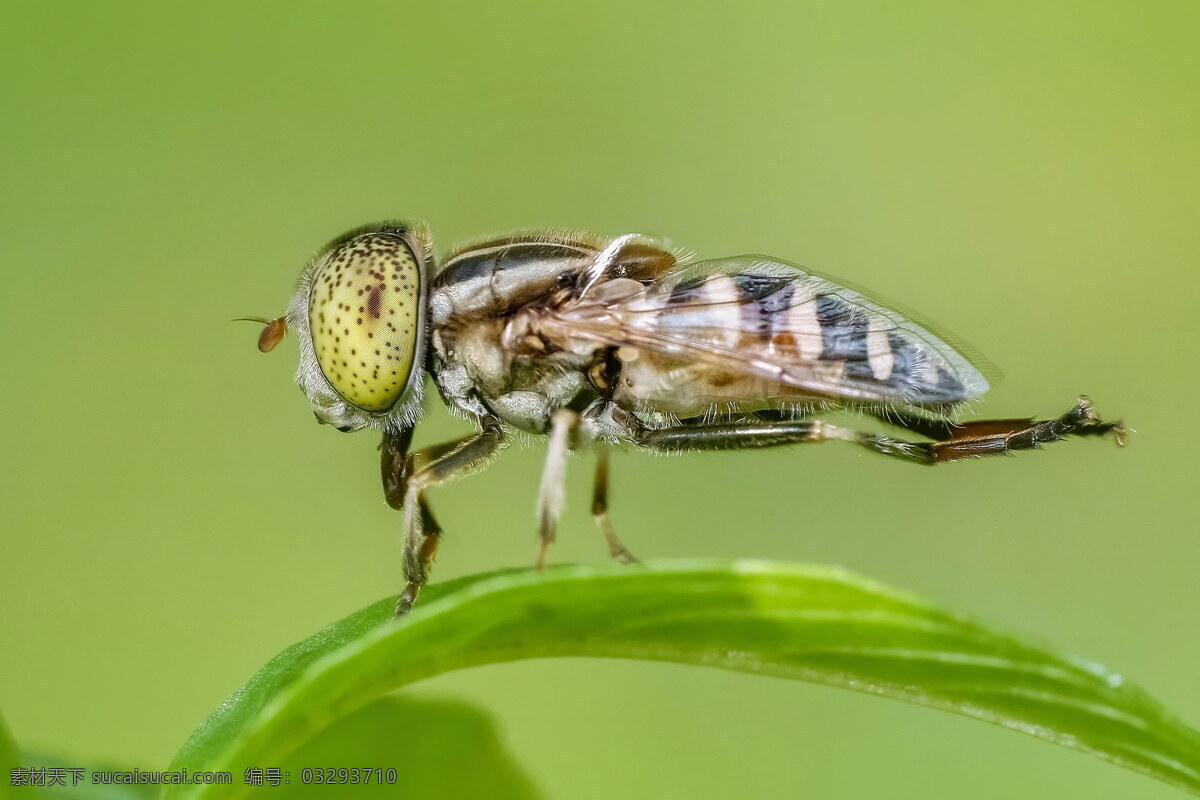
760,316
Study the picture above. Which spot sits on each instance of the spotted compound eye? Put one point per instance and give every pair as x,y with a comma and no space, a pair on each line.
363,315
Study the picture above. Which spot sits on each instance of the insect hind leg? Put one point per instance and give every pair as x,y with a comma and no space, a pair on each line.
929,427
983,438
992,437
944,429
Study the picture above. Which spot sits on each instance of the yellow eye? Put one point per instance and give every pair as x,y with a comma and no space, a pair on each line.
364,315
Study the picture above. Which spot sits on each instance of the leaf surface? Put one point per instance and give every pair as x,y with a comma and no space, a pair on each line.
810,623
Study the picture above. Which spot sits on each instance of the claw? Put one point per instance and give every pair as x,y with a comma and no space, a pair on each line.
621,555
1084,409
1089,421
409,596
1120,433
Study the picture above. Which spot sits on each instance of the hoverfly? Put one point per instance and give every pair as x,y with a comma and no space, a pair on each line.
602,341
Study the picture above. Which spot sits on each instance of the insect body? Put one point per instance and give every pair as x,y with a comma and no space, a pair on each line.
605,341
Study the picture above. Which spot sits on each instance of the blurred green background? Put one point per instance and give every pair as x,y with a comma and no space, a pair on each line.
1023,173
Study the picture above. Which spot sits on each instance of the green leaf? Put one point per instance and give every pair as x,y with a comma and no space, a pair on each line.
86,790
809,623
9,759
428,742
238,712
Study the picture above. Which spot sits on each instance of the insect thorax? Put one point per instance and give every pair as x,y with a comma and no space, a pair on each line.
486,356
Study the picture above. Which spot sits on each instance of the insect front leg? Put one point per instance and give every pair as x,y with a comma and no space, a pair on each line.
397,464
600,509
419,471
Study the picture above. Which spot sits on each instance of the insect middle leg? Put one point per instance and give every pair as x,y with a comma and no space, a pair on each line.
564,432
600,510
405,484
564,426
